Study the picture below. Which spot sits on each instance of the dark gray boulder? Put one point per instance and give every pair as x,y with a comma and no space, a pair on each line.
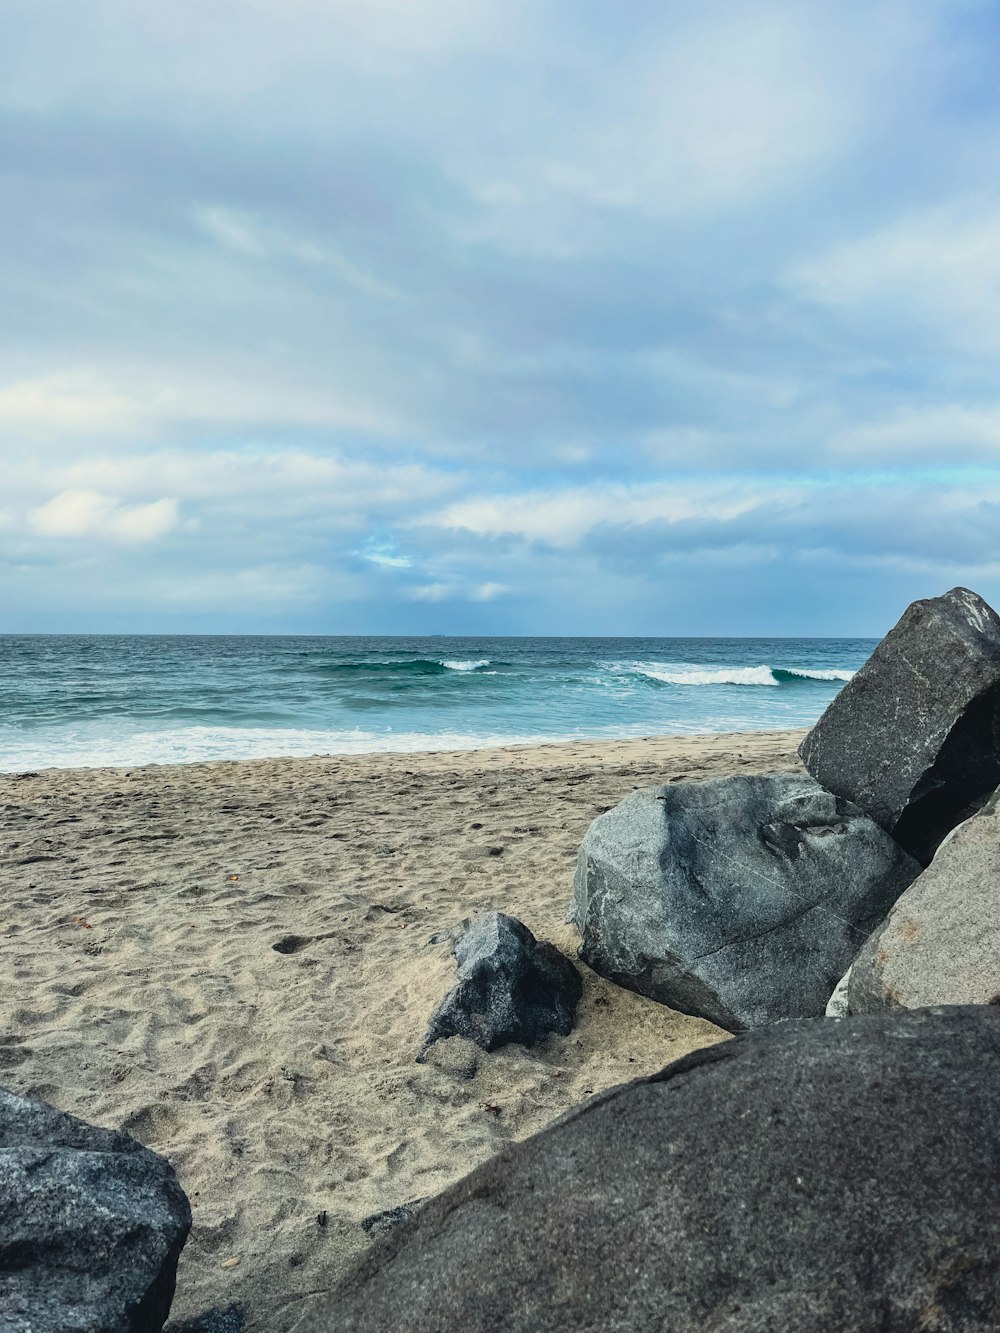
742,900
941,942
91,1226
511,987
815,1176
914,738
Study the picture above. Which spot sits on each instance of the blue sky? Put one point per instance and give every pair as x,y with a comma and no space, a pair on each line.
549,317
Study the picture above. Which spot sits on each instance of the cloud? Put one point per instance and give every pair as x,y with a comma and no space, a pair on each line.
384,555
931,273
64,403
457,592
562,517
950,433
104,517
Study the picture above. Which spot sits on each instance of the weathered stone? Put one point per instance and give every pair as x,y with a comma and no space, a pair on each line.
511,987
914,738
941,942
230,1319
837,1004
742,899
91,1226
812,1176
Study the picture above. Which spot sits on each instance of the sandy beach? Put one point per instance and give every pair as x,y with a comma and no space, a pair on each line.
236,962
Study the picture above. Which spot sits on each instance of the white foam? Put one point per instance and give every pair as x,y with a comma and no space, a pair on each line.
467,666
190,745
723,676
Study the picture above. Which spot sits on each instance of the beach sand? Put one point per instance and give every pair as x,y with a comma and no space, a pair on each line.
236,963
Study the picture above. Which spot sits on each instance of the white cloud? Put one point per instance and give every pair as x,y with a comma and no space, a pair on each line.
942,434
933,272
65,402
384,556
562,517
457,592
104,517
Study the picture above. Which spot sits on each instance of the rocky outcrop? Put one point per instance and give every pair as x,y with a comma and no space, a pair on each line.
742,900
941,942
814,1175
511,987
91,1226
914,737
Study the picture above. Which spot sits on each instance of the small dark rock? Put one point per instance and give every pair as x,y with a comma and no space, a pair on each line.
812,1177
91,1226
384,1221
914,738
742,899
511,987
291,943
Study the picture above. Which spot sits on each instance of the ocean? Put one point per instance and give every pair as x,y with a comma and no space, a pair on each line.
73,701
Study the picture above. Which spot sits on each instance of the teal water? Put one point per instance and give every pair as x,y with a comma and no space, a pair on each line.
68,701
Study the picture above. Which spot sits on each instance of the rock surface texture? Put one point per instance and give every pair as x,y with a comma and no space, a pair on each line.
91,1226
914,738
941,942
813,1176
511,987
742,900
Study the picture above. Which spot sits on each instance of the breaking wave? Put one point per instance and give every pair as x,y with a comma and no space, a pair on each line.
418,666
772,677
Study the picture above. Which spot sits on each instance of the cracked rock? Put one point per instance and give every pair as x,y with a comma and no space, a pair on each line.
742,900
813,1177
914,738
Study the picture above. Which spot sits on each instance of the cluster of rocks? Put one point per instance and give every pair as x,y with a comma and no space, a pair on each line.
807,1174
745,900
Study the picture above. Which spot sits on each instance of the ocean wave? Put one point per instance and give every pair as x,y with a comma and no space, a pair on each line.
416,666
771,677
467,666
819,673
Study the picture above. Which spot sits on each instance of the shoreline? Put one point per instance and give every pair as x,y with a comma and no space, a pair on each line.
566,747
236,960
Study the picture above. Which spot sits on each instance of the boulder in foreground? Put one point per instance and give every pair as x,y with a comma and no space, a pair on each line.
742,899
511,987
914,737
812,1176
941,942
91,1226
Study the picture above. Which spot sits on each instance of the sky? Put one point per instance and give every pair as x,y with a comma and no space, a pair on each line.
496,316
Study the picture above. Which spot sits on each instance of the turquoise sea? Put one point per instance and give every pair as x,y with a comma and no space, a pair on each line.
68,701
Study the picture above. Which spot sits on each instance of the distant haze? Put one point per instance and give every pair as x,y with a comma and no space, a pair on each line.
497,316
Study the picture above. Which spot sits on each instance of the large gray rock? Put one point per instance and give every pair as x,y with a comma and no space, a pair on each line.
814,1177
742,900
941,942
91,1226
914,738
511,987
